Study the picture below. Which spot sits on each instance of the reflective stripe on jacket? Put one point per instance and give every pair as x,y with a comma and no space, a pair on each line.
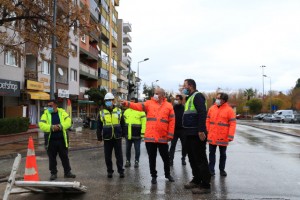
160,120
221,124
135,124
111,123
46,123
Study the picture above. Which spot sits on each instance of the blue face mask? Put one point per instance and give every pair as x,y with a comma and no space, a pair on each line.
185,91
50,109
108,103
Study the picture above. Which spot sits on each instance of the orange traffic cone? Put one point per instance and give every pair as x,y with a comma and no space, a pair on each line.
31,171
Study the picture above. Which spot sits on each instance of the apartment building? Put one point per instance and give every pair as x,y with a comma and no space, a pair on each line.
124,61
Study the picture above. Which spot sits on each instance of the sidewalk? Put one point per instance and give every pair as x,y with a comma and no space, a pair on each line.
86,139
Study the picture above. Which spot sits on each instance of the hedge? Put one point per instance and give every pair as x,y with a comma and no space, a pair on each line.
13,125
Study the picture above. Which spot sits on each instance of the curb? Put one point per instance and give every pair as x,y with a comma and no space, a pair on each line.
281,132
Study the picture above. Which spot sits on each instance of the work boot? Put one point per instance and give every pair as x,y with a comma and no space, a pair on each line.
70,175
200,190
191,185
53,177
153,181
109,175
122,175
127,164
136,164
171,179
223,173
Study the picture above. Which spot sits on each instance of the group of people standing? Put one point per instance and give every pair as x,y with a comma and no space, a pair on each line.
158,122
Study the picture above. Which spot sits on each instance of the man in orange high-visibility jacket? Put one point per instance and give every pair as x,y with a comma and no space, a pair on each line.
221,125
159,129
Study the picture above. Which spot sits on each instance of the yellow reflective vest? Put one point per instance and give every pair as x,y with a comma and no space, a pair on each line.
111,123
46,123
135,124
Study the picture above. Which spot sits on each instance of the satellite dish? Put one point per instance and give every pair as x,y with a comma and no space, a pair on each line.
60,71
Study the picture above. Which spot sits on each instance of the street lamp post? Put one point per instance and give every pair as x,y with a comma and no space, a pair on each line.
138,75
153,86
270,93
263,92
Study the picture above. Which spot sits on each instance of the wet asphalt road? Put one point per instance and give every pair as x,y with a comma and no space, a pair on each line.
260,165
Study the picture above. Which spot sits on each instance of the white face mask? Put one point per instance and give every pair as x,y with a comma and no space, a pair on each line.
218,102
155,97
176,102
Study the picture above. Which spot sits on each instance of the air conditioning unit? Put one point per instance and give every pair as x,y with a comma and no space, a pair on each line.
86,96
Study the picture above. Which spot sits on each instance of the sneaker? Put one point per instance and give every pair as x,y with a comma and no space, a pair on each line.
122,175
191,185
127,164
223,173
109,175
70,175
171,179
53,177
136,164
200,190
153,181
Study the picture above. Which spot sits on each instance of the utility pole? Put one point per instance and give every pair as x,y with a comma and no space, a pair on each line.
52,64
263,93
129,79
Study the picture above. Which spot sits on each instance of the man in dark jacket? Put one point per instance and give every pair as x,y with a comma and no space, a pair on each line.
194,119
109,129
179,130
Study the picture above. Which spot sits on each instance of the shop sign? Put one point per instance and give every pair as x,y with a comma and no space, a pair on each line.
63,93
9,88
34,85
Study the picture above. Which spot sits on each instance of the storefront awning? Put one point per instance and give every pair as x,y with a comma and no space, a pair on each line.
39,95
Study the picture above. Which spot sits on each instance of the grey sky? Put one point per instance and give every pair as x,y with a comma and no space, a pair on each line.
219,43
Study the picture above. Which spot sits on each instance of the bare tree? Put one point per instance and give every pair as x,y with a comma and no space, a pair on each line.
31,21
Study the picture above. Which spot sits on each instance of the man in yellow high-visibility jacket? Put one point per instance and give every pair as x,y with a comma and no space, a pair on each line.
54,123
134,130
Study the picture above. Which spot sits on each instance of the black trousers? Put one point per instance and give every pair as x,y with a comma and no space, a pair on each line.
212,157
152,153
196,150
58,147
178,133
109,145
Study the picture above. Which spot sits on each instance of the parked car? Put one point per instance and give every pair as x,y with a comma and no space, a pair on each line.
271,118
291,118
242,116
260,116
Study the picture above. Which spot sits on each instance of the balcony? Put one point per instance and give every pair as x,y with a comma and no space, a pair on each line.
88,72
122,77
127,38
93,51
122,90
127,48
127,27
126,60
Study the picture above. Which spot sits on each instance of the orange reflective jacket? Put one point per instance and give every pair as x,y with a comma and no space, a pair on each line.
220,124
160,120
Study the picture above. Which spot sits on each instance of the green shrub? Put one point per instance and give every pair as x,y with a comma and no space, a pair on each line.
13,125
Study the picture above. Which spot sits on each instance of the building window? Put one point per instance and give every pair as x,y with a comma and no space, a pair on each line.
83,38
45,67
11,58
74,50
73,75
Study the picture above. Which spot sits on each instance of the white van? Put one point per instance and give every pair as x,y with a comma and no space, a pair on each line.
283,113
